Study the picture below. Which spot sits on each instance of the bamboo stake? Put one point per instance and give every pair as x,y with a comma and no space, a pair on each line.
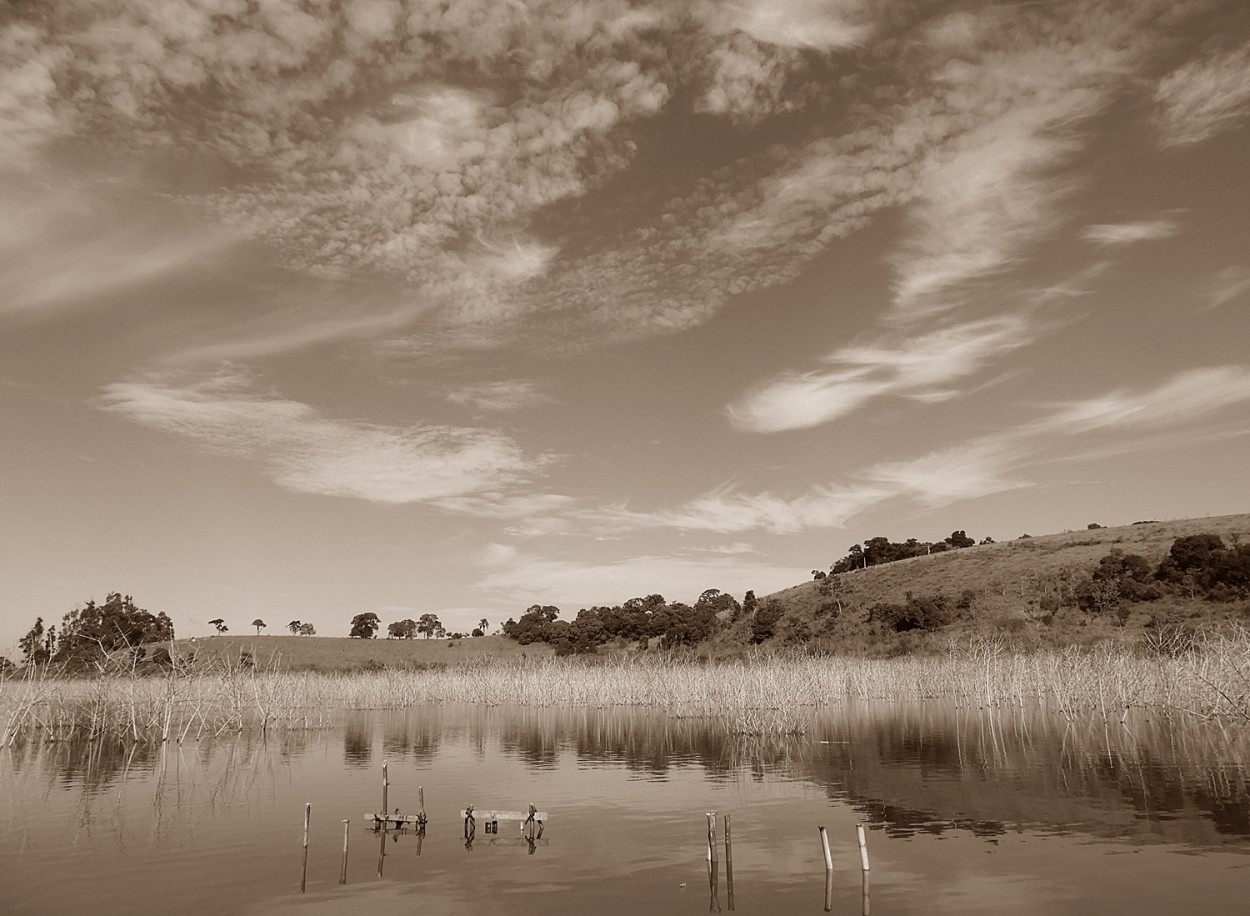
385,783
829,890
865,908
824,845
729,863
303,881
863,847
343,873
711,837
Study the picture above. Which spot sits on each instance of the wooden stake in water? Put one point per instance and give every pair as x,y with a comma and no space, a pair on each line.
421,799
303,880
711,837
729,863
824,845
829,890
864,909
385,783
343,873
863,847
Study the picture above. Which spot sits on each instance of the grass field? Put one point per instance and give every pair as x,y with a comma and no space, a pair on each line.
329,654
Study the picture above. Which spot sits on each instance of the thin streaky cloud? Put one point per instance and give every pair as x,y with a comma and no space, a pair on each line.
574,583
1130,233
1202,98
308,453
1227,286
502,396
919,367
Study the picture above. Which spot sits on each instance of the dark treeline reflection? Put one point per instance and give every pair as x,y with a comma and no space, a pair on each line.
931,768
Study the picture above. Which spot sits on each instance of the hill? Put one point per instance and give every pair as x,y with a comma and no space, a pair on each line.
1024,589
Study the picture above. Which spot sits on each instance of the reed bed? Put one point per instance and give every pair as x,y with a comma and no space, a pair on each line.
762,694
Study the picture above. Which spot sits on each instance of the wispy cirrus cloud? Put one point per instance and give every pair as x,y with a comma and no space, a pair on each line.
1203,97
576,583
1166,415
921,367
502,396
303,451
1227,285
1130,233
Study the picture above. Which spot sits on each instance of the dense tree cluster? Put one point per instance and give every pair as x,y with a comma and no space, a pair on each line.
878,550
91,635
638,620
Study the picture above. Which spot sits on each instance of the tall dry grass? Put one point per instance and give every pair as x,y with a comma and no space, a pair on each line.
763,694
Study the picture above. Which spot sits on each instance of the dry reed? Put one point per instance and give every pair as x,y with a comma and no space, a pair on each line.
761,695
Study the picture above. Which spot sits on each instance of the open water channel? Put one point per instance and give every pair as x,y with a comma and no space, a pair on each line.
967,812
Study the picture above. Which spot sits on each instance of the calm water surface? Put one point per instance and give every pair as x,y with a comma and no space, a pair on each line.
967,812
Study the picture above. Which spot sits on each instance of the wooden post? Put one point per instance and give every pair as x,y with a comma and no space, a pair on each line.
863,848
829,890
343,872
729,863
385,783
865,908
421,799
303,880
824,845
711,838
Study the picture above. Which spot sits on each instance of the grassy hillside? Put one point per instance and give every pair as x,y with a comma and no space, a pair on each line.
1008,588
332,653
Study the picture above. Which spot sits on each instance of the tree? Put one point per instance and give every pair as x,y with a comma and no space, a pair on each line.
37,646
220,625
307,629
259,624
483,625
402,629
428,625
960,539
764,624
294,626
364,625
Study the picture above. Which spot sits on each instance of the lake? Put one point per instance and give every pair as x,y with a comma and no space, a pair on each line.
966,811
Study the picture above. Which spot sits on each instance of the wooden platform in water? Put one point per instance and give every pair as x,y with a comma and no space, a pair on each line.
485,814
395,820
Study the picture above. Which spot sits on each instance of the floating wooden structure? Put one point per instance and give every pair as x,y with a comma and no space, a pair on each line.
397,820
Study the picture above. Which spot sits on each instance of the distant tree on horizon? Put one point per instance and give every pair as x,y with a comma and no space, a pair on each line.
307,629
364,625
220,625
259,624
428,625
294,627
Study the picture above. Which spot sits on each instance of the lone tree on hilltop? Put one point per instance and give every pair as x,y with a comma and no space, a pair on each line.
259,624
364,625
294,626
220,625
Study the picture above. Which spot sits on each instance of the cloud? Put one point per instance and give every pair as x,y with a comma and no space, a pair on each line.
1183,398
917,367
571,584
1203,97
727,511
502,396
822,24
1129,233
68,246
308,453
1169,414
1228,284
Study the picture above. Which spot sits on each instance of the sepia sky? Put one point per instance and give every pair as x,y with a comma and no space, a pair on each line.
314,307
